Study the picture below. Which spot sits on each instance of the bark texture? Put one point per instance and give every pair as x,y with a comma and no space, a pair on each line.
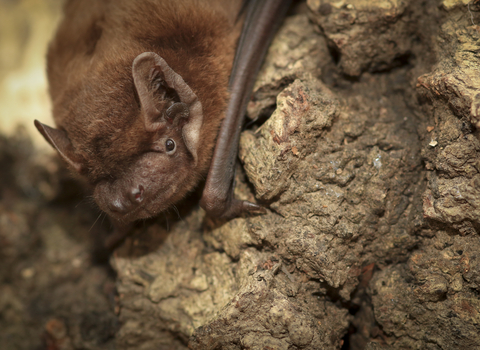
364,148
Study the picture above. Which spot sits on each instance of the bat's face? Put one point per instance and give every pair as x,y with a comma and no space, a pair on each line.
140,170
156,178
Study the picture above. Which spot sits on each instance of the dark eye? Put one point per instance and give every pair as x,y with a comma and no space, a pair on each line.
170,146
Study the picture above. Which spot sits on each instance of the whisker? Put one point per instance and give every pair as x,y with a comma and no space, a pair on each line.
166,219
81,201
471,15
174,207
103,218
178,213
99,215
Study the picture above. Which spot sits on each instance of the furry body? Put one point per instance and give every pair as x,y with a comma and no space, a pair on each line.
91,85
140,90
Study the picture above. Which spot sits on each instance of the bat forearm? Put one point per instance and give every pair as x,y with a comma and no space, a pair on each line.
261,22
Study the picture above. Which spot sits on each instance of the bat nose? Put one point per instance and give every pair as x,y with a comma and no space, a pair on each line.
131,199
117,206
136,194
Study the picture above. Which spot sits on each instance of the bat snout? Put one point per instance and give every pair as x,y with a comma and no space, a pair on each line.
128,201
117,206
136,194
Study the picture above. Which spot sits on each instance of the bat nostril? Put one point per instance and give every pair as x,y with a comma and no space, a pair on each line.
137,194
128,201
117,206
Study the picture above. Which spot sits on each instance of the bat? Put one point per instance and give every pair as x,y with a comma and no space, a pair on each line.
149,97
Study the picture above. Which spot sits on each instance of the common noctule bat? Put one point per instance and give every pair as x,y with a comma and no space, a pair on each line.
141,89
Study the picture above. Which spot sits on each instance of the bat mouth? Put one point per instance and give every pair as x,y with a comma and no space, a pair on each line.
138,213
139,196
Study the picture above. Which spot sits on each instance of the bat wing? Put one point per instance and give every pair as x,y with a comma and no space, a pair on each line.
262,19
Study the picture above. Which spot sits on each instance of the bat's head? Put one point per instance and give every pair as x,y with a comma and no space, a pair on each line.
143,165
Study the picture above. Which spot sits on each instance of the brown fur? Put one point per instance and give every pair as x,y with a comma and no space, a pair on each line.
90,74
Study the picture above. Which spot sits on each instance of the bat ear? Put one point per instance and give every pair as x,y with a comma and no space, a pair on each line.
153,77
60,141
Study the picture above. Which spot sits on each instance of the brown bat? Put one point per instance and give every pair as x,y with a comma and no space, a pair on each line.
141,90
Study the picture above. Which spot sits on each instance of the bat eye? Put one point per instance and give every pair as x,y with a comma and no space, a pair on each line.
170,146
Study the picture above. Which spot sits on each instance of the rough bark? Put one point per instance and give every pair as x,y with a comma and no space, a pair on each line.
54,293
368,165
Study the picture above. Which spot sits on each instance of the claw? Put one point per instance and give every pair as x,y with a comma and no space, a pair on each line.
252,208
